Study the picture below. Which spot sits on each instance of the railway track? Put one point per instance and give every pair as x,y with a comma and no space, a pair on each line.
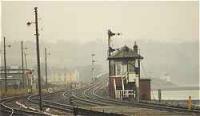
10,110
28,105
69,100
89,95
84,97
70,108
51,103
144,104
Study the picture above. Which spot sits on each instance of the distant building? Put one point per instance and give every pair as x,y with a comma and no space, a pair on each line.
14,77
57,78
72,77
124,75
65,78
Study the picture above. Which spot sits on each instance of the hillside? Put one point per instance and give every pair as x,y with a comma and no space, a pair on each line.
179,60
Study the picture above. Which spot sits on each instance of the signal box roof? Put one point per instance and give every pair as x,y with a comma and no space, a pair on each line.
125,53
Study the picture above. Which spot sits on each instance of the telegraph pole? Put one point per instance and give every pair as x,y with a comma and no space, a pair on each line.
46,70
22,55
38,55
5,67
46,67
26,67
138,88
93,66
25,58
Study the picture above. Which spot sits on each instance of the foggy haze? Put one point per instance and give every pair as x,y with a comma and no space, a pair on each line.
166,32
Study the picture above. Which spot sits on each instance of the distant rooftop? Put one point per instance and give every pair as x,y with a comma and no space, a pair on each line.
125,52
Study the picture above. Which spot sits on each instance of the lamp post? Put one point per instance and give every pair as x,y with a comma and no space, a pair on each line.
5,65
38,55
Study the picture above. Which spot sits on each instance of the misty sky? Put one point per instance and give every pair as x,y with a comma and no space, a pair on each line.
88,21
82,26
